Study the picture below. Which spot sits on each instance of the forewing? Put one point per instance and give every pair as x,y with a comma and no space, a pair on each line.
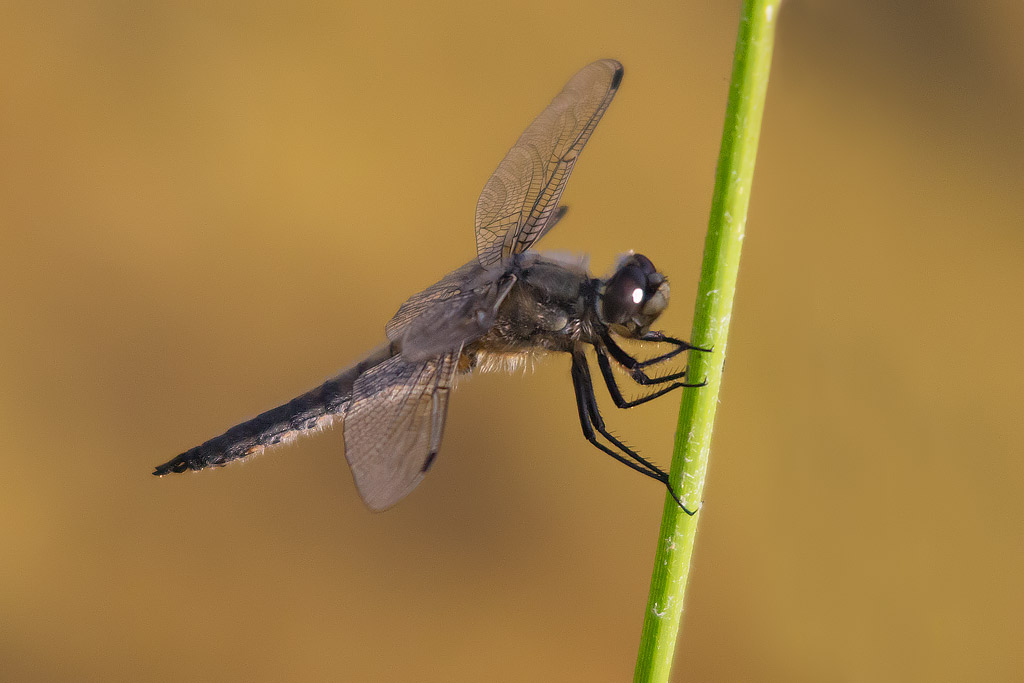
451,313
394,424
457,284
517,202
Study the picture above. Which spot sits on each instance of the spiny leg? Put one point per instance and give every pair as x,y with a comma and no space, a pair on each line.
613,387
635,367
659,337
590,418
662,338
585,406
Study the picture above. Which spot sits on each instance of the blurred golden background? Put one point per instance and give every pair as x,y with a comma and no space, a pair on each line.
206,209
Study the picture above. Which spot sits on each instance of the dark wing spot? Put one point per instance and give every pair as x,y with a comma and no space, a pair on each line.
429,461
617,78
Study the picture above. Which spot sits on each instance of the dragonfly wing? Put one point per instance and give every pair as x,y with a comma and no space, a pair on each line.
518,203
394,425
451,313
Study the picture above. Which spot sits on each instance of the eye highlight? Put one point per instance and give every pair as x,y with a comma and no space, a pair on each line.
638,295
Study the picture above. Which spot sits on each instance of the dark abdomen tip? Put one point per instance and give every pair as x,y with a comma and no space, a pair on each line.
182,463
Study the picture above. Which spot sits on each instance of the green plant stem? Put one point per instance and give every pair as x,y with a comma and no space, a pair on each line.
713,311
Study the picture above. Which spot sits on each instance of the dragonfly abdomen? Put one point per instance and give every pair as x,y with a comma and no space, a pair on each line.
315,409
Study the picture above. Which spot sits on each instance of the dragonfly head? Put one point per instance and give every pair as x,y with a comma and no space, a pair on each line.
633,297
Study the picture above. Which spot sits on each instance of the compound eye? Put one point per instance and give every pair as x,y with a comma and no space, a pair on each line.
625,294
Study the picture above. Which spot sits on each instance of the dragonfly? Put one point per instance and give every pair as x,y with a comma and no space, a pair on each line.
506,307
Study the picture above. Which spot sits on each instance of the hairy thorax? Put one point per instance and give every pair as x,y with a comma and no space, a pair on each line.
548,309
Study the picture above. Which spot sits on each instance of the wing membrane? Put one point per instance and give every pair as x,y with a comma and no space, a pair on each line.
394,424
454,311
518,202
457,284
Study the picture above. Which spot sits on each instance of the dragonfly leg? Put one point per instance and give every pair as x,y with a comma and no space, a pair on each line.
613,387
681,345
636,367
590,419
662,338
